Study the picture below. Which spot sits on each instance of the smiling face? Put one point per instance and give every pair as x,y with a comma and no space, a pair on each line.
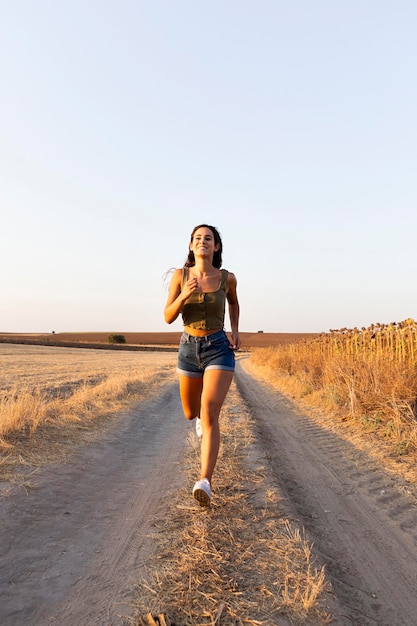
203,243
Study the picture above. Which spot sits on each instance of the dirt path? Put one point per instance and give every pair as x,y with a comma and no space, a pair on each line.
362,522
73,548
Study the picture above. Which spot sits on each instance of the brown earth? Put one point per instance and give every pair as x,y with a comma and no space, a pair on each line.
143,340
74,544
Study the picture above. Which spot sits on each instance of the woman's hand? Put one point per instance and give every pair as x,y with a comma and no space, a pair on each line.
189,288
235,345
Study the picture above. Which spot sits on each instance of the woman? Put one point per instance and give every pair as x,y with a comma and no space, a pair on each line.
206,359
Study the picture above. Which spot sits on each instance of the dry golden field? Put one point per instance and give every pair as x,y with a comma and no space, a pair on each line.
364,377
45,389
62,369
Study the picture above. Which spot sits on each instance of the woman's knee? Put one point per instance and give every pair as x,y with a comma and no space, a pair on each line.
191,409
210,412
190,392
189,413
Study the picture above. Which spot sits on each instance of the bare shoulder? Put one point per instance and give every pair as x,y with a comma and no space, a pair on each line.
231,288
176,278
231,279
176,274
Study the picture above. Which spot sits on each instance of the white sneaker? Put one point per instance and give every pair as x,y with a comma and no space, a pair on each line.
202,492
198,427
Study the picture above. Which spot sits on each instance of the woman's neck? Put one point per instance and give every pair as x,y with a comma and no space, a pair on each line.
203,267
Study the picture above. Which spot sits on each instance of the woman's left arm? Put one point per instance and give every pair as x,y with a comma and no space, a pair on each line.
233,302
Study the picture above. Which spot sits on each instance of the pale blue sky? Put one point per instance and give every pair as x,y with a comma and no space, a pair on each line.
291,126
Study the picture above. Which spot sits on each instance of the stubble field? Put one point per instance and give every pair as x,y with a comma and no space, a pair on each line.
52,398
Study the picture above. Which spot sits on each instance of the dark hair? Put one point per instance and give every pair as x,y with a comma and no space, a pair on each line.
217,257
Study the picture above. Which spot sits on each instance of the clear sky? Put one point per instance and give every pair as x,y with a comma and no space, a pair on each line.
291,126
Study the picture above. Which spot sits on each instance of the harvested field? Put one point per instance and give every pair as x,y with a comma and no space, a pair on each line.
34,367
52,397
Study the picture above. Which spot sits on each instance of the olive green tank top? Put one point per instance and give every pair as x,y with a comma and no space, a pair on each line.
205,311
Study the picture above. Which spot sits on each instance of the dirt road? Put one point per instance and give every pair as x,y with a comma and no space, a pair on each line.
73,548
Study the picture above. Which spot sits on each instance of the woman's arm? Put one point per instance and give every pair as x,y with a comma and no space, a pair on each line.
234,309
174,302
176,297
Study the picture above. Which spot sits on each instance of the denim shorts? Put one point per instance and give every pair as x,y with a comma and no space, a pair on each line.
198,354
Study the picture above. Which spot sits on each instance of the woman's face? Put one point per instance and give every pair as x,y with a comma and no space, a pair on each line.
203,244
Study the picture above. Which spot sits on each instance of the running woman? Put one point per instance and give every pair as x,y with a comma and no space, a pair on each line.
206,359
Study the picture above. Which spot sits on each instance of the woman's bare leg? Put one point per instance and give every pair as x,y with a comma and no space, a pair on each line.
215,386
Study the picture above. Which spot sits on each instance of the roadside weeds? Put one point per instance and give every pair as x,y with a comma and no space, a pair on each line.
338,420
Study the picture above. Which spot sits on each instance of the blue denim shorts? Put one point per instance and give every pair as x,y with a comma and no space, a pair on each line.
198,354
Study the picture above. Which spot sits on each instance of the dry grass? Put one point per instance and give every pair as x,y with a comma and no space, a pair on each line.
362,393
239,562
51,398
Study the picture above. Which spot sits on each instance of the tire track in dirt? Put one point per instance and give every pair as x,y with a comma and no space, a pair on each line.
362,521
73,549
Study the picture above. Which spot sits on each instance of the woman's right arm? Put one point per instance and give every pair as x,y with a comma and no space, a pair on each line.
176,296
174,301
